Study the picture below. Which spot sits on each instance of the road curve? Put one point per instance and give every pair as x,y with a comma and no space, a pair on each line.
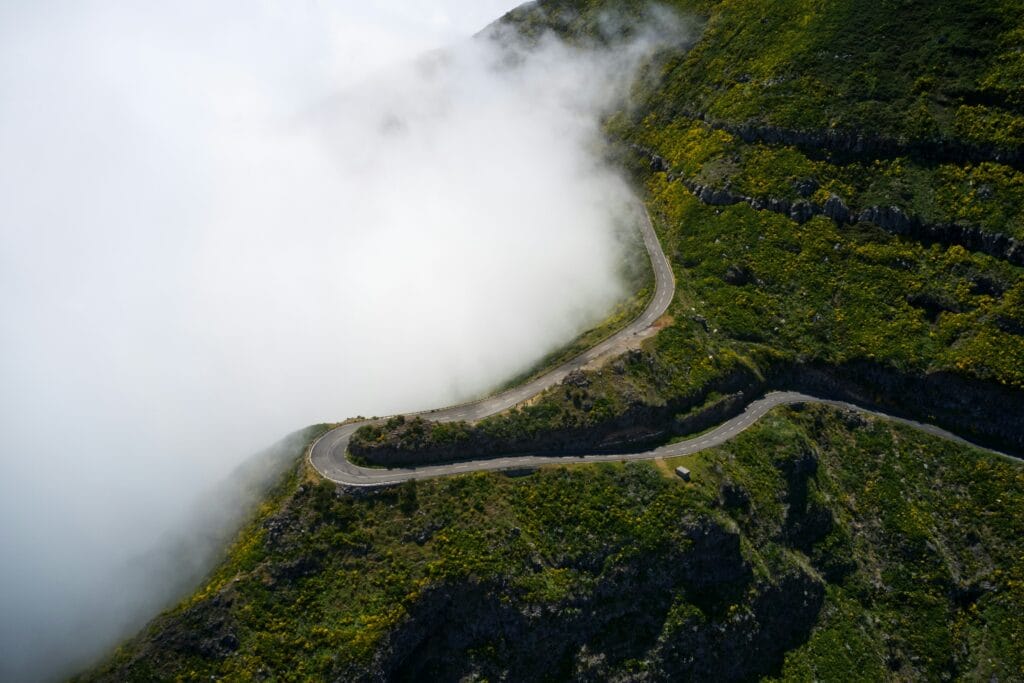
328,455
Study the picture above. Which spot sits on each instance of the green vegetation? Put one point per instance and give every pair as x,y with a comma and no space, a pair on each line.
906,565
861,103
986,194
896,68
837,295
756,291
913,71
850,544
818,544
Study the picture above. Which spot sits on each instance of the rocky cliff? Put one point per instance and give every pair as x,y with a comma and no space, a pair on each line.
892,219
817,541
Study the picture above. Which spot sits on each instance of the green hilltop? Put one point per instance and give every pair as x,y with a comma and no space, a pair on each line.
839,185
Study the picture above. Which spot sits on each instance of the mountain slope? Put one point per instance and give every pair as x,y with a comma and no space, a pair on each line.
818,543
821,238
839,186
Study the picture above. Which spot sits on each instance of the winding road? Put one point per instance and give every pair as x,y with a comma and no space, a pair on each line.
328,455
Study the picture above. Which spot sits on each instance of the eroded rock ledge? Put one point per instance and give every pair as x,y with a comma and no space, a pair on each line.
625,616
849,144
892,219
986,413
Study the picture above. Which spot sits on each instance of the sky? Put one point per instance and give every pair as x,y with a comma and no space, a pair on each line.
222,222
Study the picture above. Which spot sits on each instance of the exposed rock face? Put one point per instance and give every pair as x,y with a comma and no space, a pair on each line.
204,630
803,211
984,412
639,426
892,219
710,415
624,617
836,209
806,187
724,652
1010,326
733,496
710,195
578,379
738,274
851,144
806,521
933,304
987,413
895,220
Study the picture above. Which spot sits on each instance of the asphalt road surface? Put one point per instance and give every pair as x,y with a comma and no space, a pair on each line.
328,455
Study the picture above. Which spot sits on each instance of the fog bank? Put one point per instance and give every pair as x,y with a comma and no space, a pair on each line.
222,223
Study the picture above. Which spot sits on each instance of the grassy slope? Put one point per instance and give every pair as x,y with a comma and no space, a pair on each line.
816,293
906,69
919,554
909,70
920,561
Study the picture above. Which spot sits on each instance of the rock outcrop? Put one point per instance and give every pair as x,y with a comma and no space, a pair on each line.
987,413
639,426
846,144
892,219
626,616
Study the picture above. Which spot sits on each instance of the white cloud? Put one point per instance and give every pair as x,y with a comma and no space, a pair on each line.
224,221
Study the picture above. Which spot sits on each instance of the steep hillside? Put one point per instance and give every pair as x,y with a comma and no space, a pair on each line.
840,187
816,545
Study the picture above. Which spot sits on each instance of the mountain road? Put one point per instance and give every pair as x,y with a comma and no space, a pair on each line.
328,455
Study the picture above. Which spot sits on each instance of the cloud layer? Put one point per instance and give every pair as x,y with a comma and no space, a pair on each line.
222,224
